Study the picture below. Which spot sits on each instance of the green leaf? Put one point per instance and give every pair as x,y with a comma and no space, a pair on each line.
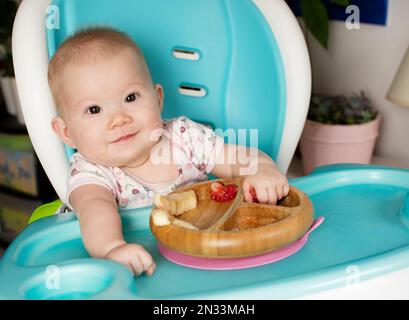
315,16
342,3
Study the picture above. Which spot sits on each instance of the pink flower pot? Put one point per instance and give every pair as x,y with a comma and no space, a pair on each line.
323,144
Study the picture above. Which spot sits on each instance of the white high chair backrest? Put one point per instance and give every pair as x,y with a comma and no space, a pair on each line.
220,58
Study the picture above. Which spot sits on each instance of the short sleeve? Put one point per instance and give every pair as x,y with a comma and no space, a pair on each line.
83,172
202,145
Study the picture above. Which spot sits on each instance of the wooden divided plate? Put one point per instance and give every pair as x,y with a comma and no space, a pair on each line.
235,228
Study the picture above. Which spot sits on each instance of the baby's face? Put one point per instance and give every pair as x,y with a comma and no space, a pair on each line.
111,109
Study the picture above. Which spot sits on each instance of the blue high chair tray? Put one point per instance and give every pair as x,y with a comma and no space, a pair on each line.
366,228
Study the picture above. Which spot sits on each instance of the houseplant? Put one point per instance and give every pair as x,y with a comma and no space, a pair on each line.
339,129
316,18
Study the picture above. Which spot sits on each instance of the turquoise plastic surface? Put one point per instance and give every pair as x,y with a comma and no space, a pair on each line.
240,64
365,210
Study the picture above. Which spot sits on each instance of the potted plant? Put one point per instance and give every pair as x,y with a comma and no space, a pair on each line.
8,10
339,129
315,16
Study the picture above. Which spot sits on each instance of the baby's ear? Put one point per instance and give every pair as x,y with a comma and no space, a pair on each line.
60,128
159,94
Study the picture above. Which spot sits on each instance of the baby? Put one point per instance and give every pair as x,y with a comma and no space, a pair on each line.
110,112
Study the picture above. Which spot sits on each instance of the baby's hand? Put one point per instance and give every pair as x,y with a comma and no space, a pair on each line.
268,185
134,257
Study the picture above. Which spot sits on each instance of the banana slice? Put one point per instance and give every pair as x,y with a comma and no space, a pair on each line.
176,203
161,217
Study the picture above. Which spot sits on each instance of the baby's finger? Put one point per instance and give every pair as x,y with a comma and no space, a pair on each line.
146,260
279,191
246,191
262,194
272,195
151,269
286,189
136,265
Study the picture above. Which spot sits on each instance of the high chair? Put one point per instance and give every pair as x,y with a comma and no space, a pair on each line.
239,64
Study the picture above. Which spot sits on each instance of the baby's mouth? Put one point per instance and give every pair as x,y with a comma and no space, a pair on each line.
125,137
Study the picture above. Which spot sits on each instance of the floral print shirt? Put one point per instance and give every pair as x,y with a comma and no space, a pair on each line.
195,149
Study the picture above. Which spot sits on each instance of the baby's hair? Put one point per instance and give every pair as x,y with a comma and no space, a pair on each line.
86,46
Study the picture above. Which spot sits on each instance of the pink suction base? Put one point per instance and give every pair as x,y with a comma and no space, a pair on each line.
237,263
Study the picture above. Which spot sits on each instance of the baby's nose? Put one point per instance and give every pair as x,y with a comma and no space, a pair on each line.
119,119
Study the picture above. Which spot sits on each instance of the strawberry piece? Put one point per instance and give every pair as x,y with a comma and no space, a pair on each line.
231,190
253,195
216,187
223,193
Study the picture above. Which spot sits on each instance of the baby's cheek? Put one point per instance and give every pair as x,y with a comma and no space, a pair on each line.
91,147
90,153
151,117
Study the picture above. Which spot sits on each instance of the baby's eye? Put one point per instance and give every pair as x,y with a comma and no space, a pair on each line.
131,97
94,109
